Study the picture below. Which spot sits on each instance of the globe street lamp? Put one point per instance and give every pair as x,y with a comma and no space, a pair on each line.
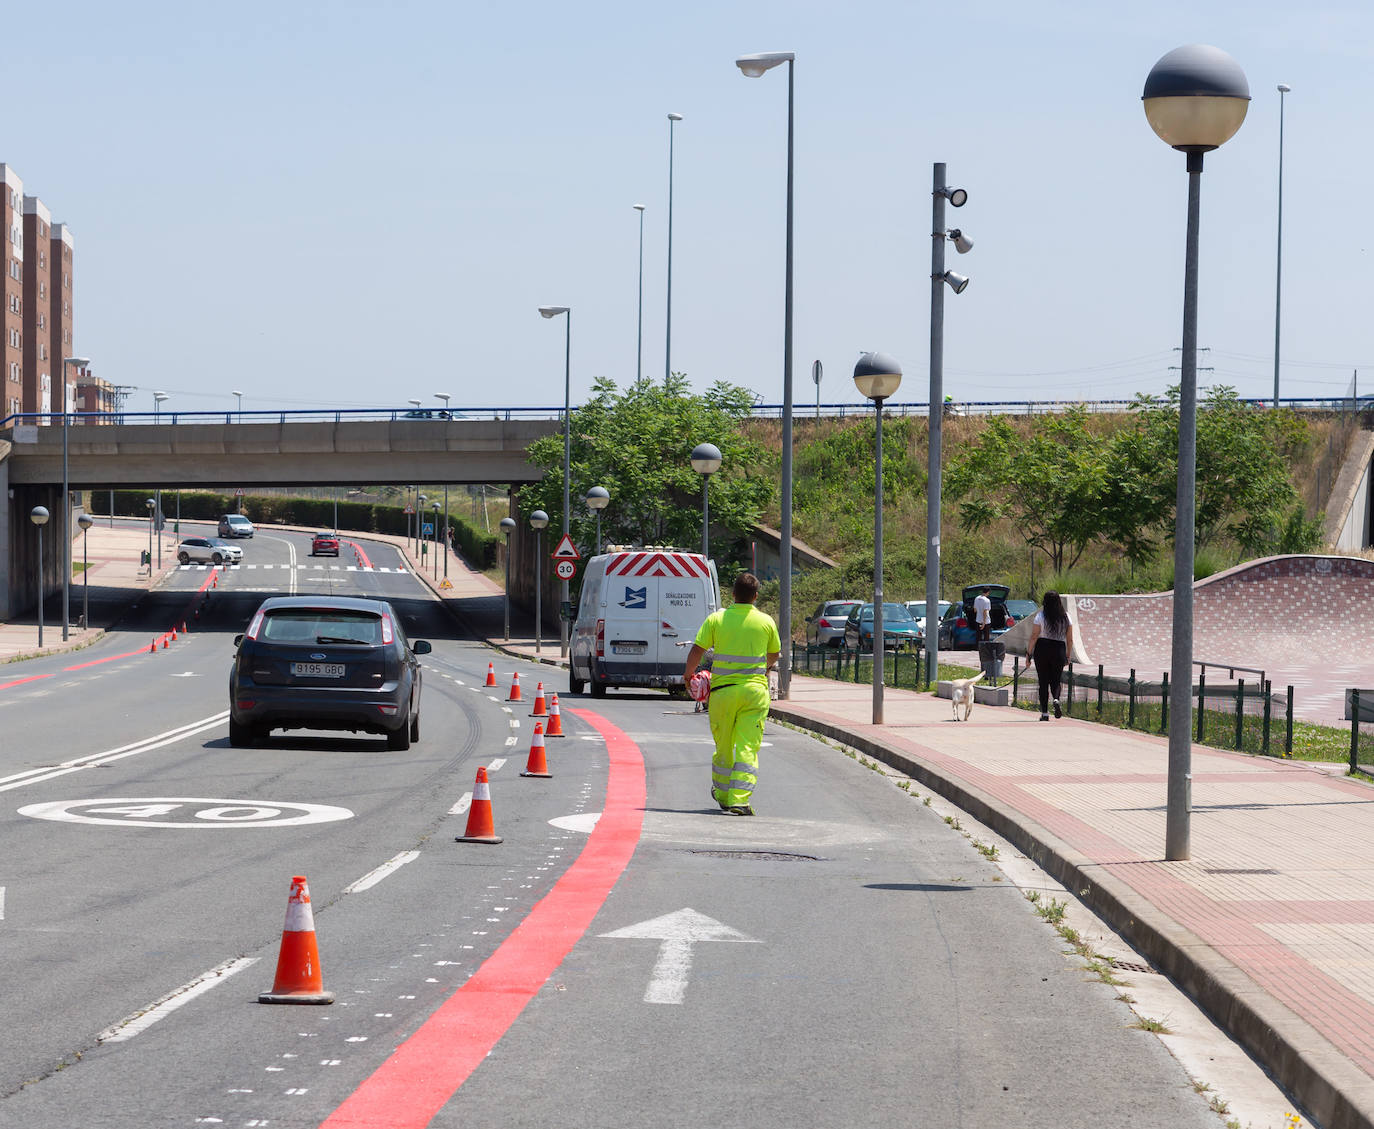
152,510
421,499
705,461
553,312
158,397
444,396
508,527
877,376
538,520
39,516
85,521
673,119
754,66
598,498
1195,99
79,362
939,279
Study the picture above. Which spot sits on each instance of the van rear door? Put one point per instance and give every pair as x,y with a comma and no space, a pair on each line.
655,599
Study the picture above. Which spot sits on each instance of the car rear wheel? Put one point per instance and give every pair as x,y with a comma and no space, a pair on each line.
575,684
241,736
398,740
184,558
219,558
598,688
415,726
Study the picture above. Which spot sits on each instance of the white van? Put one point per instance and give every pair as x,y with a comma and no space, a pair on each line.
637,606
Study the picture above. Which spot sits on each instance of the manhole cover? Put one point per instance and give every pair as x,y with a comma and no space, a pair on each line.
767,856
1131,966
1239,871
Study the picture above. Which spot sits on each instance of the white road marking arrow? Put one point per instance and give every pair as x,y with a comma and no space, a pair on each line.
679,932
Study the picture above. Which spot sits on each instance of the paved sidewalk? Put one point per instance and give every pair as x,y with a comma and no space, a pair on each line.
1270,925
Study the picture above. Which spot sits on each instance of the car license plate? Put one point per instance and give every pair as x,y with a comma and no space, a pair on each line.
317,670
629,648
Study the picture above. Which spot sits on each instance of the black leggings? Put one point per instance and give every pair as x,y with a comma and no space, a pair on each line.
1050,657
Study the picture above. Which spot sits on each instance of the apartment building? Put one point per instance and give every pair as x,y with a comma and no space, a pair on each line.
39,364
94,395
59,312
11,292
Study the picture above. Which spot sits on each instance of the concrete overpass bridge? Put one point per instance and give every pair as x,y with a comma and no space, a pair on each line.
227,450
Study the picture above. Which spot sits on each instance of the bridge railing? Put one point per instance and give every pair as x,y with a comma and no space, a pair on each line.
1342,405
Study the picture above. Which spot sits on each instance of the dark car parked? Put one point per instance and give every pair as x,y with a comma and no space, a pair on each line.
325,662
899,628
958,628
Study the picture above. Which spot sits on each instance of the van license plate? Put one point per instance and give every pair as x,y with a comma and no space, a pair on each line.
629,648
317,670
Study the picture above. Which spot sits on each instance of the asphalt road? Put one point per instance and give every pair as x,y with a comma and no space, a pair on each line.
842,959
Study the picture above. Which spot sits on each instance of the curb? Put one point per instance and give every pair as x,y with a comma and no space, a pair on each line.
1338,1094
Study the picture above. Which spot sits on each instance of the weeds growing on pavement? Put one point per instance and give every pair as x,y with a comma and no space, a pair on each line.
953,821
1156,1026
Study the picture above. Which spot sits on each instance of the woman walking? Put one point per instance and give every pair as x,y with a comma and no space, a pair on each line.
1051,644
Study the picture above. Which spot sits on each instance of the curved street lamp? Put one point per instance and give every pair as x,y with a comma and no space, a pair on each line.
435,507
158,397
878,376
39,516
507,527
754,66
598,498
706,459
1195,99
79,362
538,520
152,517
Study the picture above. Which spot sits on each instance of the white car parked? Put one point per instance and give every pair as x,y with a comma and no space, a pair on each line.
208,550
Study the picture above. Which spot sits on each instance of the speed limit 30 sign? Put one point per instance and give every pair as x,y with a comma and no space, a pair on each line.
566,570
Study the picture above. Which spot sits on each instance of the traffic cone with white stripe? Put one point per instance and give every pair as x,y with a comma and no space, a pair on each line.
491,674
480,827
555,728
514,688
537,765
540,708
298,979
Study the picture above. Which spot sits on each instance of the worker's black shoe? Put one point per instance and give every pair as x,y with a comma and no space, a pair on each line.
739,809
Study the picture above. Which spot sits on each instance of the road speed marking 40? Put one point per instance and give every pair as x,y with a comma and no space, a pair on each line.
184,813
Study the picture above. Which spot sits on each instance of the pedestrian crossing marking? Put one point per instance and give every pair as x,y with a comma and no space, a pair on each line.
299,568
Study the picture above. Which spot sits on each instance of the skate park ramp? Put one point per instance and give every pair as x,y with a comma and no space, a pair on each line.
1306,621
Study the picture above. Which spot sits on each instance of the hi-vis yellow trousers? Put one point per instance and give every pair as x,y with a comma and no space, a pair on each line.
737,715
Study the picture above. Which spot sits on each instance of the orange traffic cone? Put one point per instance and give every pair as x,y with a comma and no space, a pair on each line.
153,648
491,675
514,687
164,642
480,827
174,634
537,765
298,978
540,709
555,728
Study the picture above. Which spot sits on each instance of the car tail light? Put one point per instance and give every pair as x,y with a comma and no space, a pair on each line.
388,710
1010,620
961,622
246,703
601,638
254,627
386,630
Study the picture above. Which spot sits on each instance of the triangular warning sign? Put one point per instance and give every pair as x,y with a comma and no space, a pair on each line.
566,550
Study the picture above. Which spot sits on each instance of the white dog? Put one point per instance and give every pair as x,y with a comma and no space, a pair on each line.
961,695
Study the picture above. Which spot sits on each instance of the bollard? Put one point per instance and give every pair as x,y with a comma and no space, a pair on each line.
1268,703
1164,704
1130,700
1068,697
1015,676
1201,704
1354,731
1288,729
1099,691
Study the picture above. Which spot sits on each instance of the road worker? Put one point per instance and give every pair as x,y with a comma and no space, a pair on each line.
746,645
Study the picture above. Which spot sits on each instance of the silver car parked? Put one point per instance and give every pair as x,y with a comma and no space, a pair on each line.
208,550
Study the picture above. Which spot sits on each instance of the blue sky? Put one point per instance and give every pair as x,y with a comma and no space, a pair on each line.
354,204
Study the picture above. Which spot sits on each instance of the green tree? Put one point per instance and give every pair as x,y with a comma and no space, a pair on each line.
638,445
1050,484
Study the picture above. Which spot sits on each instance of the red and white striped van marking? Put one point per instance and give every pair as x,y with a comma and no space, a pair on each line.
654,563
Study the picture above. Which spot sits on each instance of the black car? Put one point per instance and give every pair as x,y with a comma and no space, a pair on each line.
325,662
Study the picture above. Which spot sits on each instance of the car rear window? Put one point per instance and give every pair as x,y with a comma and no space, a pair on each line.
306,626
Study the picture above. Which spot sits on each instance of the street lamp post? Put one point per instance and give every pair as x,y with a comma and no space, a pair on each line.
39,516
85,521
420,500
706,461
1284,88
80,362
1195,99
444,396
673,119
538,520
553,312
939,279
508,527
639,337
152,510
239,397
753,66
878,376
435,507
598,498
158,397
